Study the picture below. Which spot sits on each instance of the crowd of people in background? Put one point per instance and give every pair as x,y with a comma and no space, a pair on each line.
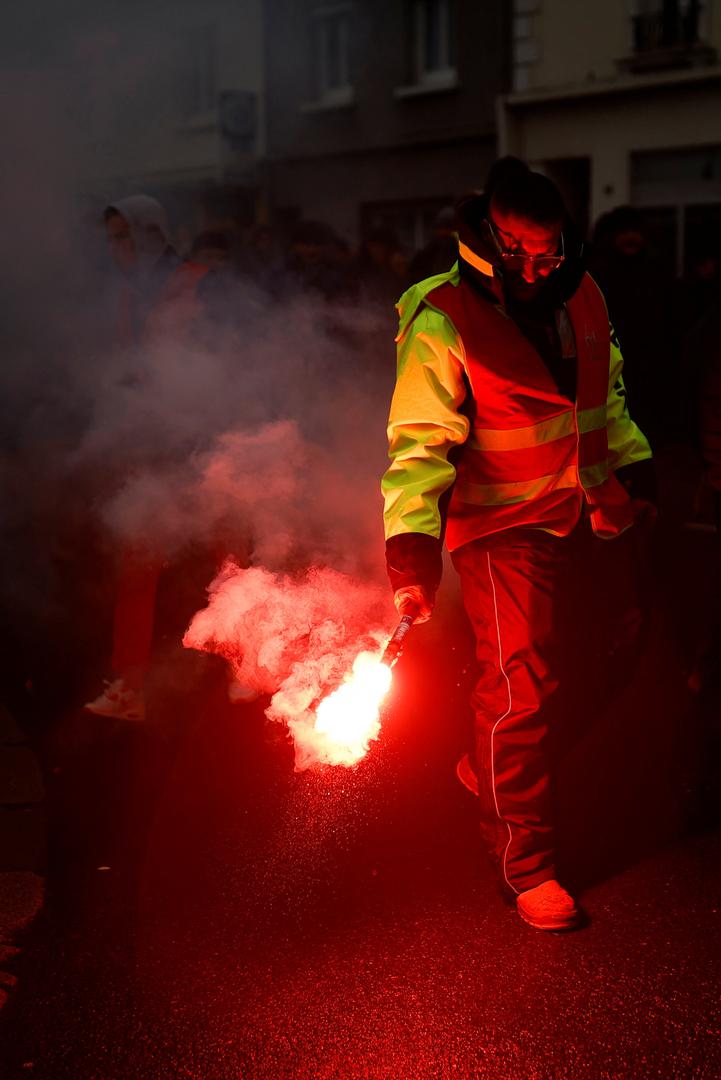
310,258
654,314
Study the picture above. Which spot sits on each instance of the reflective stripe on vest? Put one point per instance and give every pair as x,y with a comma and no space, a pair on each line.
516,491
526,438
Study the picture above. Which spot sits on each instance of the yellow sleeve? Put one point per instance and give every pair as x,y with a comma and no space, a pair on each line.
626,442
424,424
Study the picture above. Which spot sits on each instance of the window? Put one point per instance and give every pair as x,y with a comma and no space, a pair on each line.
664,24
434,54
331,37
197,71
668,34
680,194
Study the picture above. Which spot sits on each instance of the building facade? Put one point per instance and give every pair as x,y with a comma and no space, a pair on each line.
170,98
380,112
620,102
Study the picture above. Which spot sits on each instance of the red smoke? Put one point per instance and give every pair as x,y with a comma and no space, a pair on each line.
295,637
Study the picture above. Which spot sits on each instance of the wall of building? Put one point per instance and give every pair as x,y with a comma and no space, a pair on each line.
553,46
557,43
392,138
387,108
609,128
160,69
129,93
343,190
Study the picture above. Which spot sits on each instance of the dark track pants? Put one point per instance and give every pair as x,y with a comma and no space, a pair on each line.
520,589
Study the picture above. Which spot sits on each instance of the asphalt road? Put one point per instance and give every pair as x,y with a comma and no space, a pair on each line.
214,914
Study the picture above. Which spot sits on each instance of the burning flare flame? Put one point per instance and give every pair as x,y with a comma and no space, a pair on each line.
349,718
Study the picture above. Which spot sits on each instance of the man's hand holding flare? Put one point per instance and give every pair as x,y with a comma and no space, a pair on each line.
412,600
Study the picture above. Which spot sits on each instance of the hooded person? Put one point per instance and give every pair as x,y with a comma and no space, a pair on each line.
510,441
144,260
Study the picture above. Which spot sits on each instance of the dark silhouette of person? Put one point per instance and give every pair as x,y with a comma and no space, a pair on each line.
639,295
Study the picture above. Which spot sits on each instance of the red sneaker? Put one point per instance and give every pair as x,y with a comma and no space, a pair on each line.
548,907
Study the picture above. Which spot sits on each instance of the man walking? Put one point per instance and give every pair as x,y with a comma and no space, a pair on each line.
510,438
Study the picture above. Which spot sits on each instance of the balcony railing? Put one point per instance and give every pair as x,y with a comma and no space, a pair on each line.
666,29
668,38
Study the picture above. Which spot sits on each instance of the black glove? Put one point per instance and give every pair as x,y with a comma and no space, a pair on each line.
415,559
415,563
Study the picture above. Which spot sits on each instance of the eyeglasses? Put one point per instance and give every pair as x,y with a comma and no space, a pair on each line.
516,260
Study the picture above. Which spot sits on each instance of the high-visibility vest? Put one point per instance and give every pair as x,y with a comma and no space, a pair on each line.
532,457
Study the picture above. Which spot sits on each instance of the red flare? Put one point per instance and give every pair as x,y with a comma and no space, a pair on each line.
349,718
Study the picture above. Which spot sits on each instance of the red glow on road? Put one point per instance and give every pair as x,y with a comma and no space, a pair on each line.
349,718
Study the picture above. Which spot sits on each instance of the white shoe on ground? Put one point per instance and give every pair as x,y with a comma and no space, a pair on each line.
548,907
118,701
